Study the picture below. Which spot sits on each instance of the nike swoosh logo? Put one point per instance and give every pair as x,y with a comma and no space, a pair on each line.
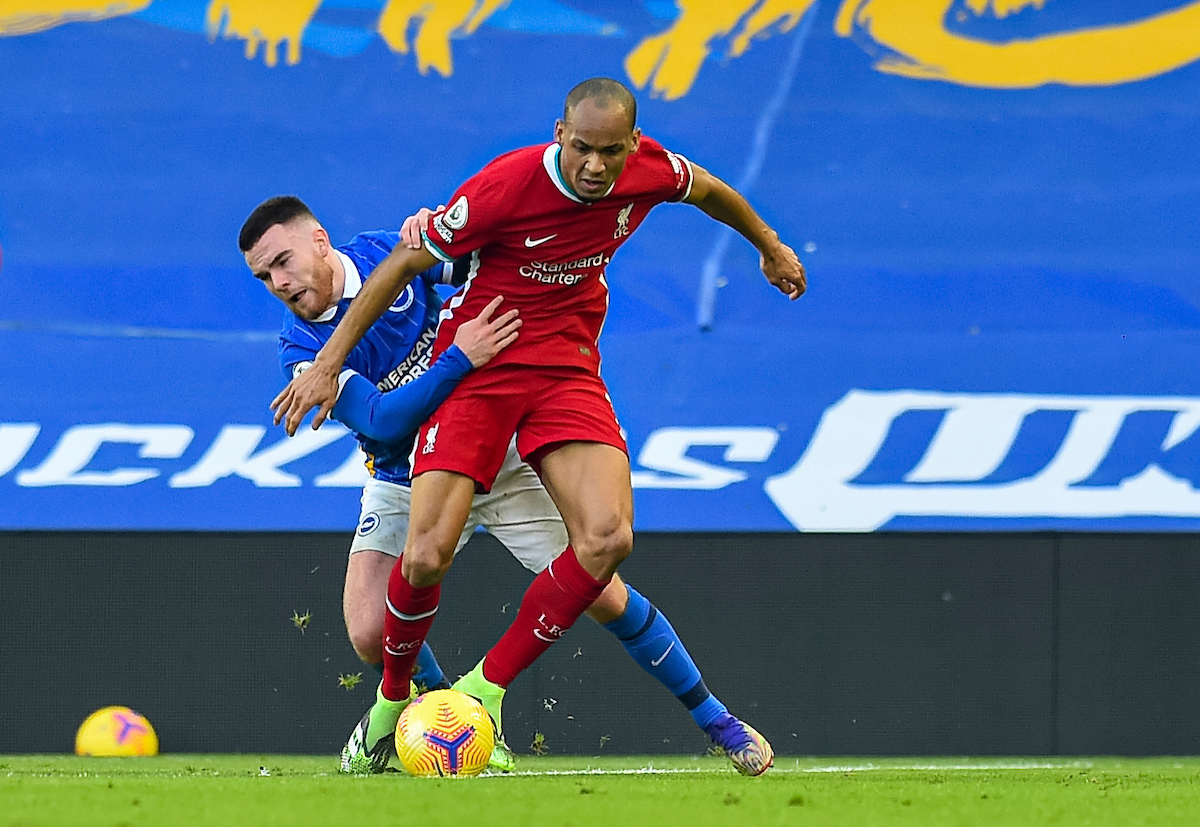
533,242
664,655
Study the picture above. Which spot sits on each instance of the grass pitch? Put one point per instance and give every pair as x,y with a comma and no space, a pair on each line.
197,790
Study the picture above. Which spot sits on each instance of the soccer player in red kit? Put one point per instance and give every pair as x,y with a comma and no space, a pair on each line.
541,225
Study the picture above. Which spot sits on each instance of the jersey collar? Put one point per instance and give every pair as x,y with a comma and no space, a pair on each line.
550,163
349,291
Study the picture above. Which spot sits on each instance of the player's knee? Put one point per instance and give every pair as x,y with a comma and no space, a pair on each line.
425,564
366,638
609,547
620,543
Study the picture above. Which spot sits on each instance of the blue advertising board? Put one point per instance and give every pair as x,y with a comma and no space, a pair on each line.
995,200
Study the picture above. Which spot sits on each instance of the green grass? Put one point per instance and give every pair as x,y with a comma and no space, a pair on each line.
197,790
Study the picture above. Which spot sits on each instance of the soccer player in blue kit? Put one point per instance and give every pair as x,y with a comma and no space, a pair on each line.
387,388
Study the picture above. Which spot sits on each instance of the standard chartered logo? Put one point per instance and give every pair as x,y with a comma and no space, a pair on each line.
556,272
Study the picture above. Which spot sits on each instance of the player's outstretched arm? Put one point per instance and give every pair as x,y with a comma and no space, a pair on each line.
721,201
317,387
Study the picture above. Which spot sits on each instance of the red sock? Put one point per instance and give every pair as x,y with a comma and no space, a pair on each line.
553,602
410,613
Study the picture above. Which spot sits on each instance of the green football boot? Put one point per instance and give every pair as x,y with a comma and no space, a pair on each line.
373,741
492,697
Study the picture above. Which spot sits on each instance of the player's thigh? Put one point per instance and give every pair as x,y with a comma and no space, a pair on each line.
520,514
589,482
439,517
574,440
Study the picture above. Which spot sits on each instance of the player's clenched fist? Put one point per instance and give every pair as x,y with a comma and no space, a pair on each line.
784,270
483,337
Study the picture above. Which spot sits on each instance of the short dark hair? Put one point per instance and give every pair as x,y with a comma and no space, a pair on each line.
281,209
602,90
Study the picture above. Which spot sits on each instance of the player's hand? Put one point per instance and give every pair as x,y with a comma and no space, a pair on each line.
410,230
315,388
784,270
483,337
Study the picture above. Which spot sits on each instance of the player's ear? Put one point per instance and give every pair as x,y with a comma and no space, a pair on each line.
637,139
559,126
321,239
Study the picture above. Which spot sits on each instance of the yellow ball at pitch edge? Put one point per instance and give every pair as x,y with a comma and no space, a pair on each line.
116,731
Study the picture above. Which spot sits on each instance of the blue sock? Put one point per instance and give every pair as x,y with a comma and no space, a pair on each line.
650,640
427,672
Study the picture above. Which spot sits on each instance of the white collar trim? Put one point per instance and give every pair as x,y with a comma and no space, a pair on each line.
550,163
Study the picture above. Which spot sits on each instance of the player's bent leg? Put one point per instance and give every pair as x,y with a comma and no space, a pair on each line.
584,480
589,482
439,509
551,605
377,544
653,643
363,602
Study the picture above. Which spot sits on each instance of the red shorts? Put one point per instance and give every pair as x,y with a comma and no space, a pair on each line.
545,407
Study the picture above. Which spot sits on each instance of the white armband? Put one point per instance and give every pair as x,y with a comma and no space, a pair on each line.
343,378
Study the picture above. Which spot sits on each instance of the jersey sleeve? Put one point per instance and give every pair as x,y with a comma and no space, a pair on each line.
668,175
472,219
452,273
682,177
298,348
391,416
297,352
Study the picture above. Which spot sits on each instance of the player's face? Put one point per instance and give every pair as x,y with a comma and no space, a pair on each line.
595,144
290,260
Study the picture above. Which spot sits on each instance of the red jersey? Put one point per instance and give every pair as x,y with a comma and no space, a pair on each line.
538,244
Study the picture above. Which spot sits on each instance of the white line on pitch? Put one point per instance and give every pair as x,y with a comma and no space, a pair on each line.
824,769
597,771
929,767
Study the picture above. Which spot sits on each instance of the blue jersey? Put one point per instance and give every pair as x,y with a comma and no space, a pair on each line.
395,353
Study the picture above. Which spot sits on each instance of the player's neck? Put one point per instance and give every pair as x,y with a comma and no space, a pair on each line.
339,276
562,176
